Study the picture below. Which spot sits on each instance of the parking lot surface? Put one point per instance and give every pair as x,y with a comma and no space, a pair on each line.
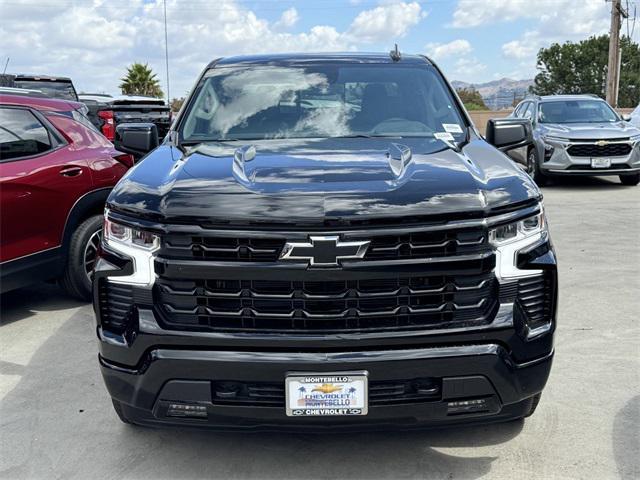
56,419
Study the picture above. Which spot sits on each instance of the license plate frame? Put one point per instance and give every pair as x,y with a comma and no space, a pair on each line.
600,162
334,400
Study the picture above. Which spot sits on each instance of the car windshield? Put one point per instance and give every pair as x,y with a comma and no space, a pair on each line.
322,101
576,111
63,90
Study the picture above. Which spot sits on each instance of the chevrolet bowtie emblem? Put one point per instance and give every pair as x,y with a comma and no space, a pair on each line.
602,143
324,251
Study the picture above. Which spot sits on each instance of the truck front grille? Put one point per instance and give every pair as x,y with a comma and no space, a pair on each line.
438,301
593,150
437,243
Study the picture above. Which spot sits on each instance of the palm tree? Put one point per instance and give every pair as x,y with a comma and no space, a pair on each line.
140,80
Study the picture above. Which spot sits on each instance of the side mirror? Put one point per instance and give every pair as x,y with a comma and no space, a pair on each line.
626,117
508,133
136,138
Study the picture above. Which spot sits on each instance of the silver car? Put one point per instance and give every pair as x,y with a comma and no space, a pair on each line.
577,135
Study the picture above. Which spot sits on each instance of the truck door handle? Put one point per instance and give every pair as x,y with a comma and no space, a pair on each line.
71,171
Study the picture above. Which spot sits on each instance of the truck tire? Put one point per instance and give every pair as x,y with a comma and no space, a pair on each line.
630,180
76,279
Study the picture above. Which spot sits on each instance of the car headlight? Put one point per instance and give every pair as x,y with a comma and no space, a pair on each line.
138,245
511,238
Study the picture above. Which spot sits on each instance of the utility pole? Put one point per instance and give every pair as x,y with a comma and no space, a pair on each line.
166,50
613,68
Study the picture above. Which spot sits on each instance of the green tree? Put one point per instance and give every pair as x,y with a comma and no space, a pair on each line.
472,99
582,68
140,80
176,104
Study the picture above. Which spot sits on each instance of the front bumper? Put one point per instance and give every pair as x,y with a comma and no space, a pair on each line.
483,371
150,365
562,163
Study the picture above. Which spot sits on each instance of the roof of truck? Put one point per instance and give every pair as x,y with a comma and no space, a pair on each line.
302,58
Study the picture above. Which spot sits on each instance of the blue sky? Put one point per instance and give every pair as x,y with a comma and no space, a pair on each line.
472,40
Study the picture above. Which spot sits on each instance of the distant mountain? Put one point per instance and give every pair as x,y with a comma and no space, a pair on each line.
498,94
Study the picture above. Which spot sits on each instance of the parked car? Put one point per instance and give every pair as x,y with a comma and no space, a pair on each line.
51,86
107,112
364,259
577,135
56,171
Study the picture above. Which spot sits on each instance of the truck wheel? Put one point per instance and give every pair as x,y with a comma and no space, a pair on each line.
83,250
533,168
630,180
117,406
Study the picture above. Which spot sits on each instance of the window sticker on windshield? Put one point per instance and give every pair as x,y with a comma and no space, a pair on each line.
443,136
452,127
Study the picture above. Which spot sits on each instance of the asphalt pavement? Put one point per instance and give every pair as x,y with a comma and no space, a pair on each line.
56,419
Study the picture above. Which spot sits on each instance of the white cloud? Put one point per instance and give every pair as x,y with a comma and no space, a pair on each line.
471,13
467,69
94,40
586,16
389,21
526,47
551,21
438,51
288,18
589,17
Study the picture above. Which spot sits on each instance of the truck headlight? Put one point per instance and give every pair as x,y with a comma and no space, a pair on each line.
513,232
138,245
121,234
511,238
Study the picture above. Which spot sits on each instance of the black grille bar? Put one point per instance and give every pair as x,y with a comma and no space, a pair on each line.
535,299
438,301
438,243
116,305
594,150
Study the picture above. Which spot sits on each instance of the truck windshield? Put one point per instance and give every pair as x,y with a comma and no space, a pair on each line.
576,111
322,101
63,90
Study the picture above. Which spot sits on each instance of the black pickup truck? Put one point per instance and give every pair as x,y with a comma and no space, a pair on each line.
325,242
50,86
107,112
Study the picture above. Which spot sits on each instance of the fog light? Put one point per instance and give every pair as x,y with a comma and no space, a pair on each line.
467,406
185,410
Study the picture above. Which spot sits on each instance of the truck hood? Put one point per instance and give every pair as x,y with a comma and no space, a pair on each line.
590,131
312,181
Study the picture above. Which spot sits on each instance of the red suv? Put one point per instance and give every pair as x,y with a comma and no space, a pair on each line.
56,171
